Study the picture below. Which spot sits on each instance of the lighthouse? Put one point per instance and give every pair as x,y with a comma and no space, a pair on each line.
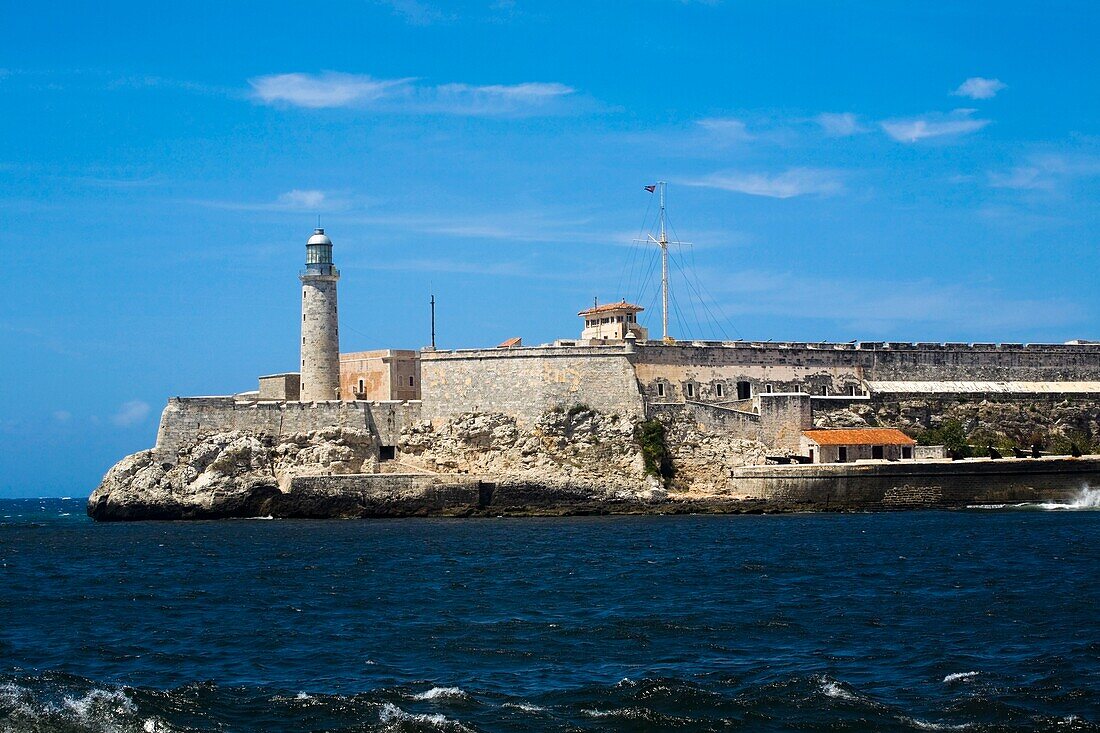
320,330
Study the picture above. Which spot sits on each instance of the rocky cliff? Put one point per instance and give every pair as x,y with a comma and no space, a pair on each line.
570,457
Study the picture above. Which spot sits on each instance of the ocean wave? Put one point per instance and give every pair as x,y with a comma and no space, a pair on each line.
390,713
97,710
442,693
1087,499
524,706
929,725
959,676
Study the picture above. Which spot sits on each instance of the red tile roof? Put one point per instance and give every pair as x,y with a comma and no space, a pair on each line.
859,436
608,307
515,341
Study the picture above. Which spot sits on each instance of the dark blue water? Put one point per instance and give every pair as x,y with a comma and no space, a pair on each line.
980,620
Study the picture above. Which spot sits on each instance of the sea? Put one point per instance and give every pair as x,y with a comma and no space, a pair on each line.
984,619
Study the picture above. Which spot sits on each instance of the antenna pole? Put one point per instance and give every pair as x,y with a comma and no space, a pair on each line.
433,321
663,243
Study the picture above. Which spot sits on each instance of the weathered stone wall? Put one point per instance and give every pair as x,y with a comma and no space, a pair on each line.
777,420
186,420
839,369
923,485
525,383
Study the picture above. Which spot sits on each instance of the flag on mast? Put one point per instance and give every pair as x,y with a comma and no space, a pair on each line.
651,189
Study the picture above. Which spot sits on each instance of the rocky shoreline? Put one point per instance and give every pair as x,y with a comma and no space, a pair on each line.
570,463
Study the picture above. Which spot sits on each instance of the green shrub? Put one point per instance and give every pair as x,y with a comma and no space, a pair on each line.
650,436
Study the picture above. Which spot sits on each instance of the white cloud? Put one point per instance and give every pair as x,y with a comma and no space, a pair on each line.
328,89
336,90
416,12
872,307
130,413
728,129
790,183
295,200
1046,172
915,129
491,99
299,199
839,124
977,87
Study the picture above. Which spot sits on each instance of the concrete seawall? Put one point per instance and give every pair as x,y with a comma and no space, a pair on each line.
912,485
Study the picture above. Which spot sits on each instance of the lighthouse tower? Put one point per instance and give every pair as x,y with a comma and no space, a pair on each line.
320,332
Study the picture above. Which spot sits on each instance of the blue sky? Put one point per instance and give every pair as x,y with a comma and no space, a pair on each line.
876,171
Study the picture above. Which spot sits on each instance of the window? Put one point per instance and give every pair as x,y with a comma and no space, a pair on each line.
842,454
303,341
690,389
811,455
825,390
744,390
768,388
410,381
660,389
718,390
387,452
852,389
906,452
362,387
877,452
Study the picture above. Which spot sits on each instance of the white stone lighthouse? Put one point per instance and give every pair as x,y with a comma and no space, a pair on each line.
320,331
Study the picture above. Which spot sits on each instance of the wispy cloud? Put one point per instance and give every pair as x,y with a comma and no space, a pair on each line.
882,306
62,416
788,184
1046,172
337,90
328,89
977,87
130,413
295,200
727,128
839,124
915,129
416,12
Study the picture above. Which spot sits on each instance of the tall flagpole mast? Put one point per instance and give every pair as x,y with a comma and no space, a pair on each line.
663,243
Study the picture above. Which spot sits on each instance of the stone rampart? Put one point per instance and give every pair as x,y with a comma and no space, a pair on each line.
909,485
525,383
186,420
840,369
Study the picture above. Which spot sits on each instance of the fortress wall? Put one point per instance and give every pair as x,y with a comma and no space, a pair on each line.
186,419
918,485
778,424
838,368
704,366
526,382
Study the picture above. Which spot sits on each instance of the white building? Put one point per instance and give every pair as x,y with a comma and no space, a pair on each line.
612,322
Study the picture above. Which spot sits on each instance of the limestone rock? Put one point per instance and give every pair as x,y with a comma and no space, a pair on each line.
225,474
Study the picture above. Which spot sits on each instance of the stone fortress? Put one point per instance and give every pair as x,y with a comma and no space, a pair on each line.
567,416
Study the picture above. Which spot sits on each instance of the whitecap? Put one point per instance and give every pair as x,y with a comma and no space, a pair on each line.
929,725
524,706
390,713
109,701
594,713
442,693
958,676
832,688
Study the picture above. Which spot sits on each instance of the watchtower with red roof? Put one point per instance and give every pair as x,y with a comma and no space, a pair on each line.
612,322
